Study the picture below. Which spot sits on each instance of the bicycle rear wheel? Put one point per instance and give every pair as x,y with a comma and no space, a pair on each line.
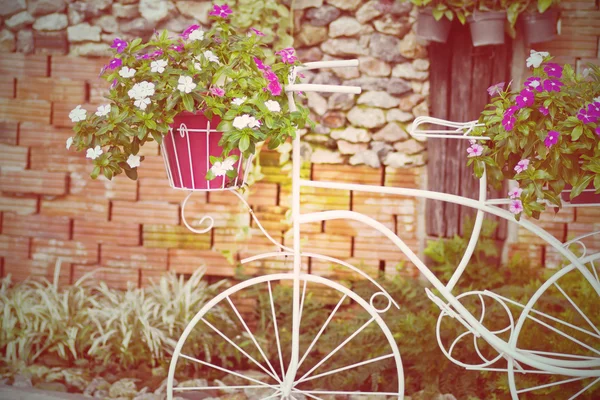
332,358
560,327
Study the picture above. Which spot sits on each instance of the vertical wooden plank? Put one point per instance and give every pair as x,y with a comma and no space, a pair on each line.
460,110
440,54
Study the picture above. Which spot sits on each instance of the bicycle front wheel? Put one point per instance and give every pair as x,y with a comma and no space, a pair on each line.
345,347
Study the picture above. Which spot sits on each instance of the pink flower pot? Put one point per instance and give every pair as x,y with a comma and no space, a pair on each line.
187,149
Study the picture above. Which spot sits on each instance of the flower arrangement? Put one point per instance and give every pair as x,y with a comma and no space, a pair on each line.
217,72
544,135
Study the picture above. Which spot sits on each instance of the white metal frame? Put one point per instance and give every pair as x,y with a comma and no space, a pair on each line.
517,360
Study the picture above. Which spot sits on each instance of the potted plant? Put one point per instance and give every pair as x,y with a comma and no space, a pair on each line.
435,17
487,23
539,19
207,96
544,135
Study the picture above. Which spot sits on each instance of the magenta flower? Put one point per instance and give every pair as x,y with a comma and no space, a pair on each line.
119,44
142,57
177,48
495,89
543,110
115,63
597,130
509,122
534,83
102,70
554,70
186,33
274,87
475,150
259,64
270,75
551,139
157,53
510,111
594,109
217,91
584,116
522,166
552,85
515,193
516,207
114,83
256,32
287,55
525,98
221,11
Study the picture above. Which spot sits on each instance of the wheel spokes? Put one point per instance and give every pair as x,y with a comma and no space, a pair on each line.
334,371
276,330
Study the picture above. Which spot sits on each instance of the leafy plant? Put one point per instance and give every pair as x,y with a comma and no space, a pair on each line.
449,9
545,135
218,73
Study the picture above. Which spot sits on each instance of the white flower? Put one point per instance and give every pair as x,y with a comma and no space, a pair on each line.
241,122
185,84
93,153
536,58
103,110
197,34
210,56
220,168
238,101
69,142
253,123
198,67
127,72
158,66
77,114
133,161
141,90
142,103
273,106
597,99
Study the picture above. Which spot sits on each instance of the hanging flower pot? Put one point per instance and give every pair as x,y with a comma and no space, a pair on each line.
586,197
187,150
540,27
431,29
487,28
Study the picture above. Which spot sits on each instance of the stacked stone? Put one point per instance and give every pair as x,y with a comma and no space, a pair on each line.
370,128
88,27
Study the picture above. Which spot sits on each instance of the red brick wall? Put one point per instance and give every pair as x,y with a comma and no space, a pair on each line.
49,207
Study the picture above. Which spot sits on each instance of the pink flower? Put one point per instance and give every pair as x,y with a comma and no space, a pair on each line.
221,11
534,83
515,193
584,116
256,32
543,110
510,111
157,53
475,150
594,109
495,89
552,85
185,34
509,122
551,139
525,98
115,63
177,48
114,84
217,91
287,55
259,64
522,165
274,87
516,207
554,70
119,44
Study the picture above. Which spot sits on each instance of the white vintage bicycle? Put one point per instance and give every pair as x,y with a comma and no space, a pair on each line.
293,363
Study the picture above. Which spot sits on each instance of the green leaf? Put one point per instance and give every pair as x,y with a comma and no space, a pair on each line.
543,5
131,173
577,132
582,184
188,102
95,172
244,143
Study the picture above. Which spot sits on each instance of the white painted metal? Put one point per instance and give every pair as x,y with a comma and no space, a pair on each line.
518,361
